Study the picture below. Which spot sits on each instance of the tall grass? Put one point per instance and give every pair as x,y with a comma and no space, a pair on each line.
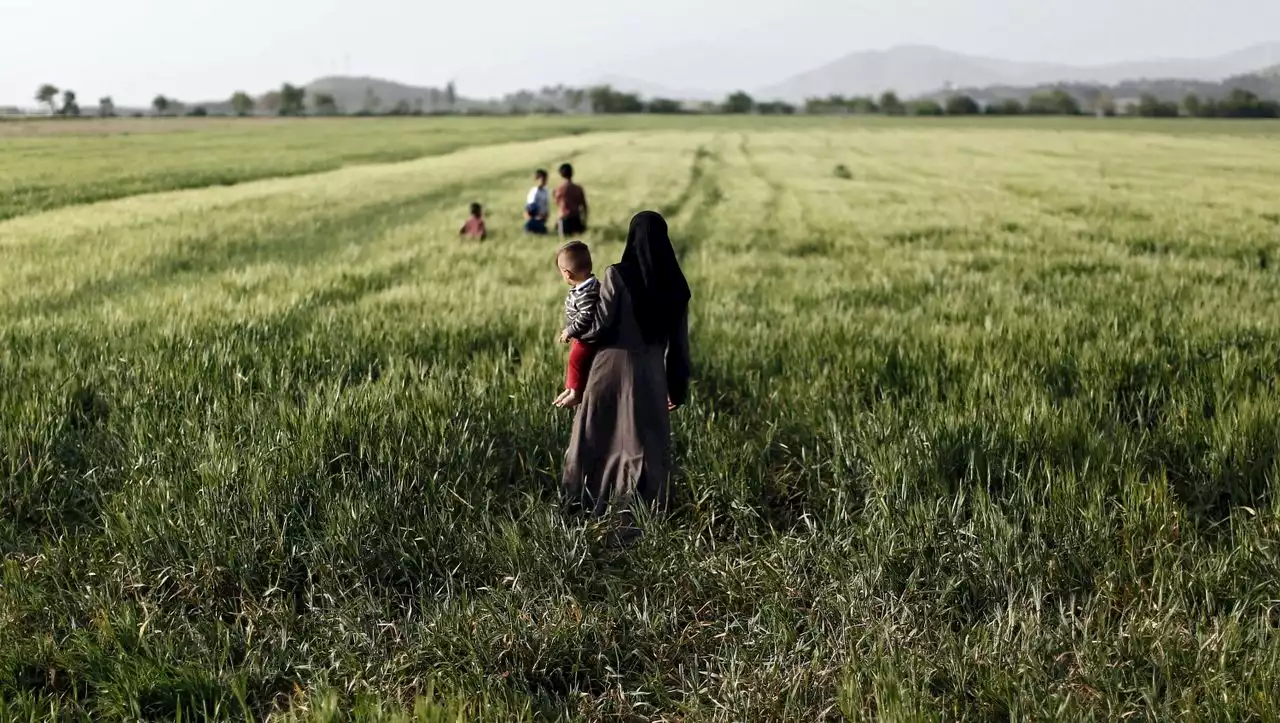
986,429
39,172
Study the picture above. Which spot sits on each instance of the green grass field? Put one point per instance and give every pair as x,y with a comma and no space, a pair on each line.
988,429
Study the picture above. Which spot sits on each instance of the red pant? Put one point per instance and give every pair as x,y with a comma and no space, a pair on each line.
580,356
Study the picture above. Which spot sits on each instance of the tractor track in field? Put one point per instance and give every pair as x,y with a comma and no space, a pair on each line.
701,194
768,233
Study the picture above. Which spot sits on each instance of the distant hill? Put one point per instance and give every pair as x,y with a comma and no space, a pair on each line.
353,94
913,70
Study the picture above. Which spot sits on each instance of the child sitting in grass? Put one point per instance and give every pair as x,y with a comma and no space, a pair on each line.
574,260
474,227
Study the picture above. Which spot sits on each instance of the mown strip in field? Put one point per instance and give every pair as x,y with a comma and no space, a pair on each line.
43,173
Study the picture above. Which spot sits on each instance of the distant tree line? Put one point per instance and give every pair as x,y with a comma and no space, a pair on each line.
1264,84
1238,103
1054,102
1065,100
291,100
1245,96
605,99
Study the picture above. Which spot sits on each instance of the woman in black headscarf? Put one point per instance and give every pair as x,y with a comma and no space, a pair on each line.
621,443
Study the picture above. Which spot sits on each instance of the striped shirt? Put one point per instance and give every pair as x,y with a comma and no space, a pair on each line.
580,307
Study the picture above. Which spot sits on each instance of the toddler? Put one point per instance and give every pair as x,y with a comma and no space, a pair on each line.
574,260
474,227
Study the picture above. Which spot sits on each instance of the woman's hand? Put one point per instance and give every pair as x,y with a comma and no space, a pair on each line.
671,406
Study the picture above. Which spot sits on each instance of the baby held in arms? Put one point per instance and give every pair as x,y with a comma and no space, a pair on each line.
574,260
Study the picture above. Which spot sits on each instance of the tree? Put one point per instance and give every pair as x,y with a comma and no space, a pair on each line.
962,105
401,108
1053,102
815,106
628,103
1241,103
241,103
161,104
927,106
269,102
576,99
863,104
776,108
451,95
326,104
292,100
891,105
739,103
604,99
600,98
1192,105
836,103
198,112
1065,102
106,107
48,94
1149,106
665,105
1008,106
520,103
69,106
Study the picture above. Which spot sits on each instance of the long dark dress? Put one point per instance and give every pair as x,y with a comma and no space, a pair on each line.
621,443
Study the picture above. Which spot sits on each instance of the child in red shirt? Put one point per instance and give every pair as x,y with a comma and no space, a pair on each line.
572,202
474,227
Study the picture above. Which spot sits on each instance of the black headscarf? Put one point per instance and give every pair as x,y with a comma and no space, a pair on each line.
659,292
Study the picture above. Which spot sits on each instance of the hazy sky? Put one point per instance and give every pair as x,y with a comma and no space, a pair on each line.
205,49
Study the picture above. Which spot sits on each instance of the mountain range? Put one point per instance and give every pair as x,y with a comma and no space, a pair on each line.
913,70
909,70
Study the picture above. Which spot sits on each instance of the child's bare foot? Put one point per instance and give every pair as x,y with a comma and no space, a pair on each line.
569,399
